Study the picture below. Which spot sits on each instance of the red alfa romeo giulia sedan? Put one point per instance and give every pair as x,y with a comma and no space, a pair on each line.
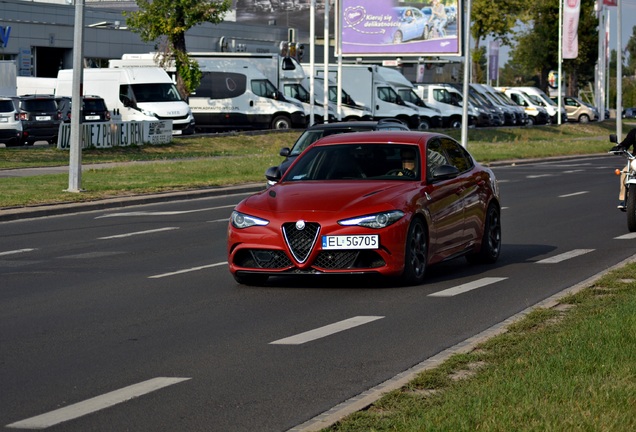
385,203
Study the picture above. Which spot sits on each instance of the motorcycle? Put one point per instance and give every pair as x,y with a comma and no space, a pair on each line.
629,173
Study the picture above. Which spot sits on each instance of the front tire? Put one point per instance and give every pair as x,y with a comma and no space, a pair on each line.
281,122
584,119
415,254
397,37
491,240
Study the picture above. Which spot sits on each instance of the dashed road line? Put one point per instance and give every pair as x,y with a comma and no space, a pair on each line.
327,330
138,233
92,405
17,251
178,272
573,194
629,236
565,256
460,289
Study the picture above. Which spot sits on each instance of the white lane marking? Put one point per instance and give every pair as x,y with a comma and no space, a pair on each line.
138,233
460,289
629,236
326,330
17,251
573,171
565,256
573,194
186,270
95,404
162,213
539,176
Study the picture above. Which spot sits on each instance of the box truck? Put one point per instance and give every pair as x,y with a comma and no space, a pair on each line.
367,86
234,93
137,93
429,116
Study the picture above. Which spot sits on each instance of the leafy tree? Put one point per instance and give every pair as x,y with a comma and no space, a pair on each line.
537,47
170,20
496,19
630,48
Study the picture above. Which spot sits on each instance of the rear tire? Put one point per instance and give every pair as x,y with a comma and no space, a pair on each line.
631,209
415,254
491,240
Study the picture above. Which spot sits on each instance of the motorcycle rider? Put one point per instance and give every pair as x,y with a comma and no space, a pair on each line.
439,14
629,141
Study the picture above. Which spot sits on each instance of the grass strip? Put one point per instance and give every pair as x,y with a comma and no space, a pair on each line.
199,162
571,368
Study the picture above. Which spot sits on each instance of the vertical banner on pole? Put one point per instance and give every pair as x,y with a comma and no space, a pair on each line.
571,10
493,60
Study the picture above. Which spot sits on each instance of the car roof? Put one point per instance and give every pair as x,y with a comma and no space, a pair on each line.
397,137
357,125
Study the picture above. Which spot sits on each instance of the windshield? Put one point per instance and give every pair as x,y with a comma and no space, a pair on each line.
155,92
547,100
408,95
357,161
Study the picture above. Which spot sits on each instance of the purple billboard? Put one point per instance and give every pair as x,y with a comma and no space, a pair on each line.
400,29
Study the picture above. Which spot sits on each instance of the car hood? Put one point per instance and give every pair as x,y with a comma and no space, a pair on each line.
345,197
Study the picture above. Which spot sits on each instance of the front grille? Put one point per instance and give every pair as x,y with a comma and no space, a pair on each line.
262,258
183,117
301,241
348,259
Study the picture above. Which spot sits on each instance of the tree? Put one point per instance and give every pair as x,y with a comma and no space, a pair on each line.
496,19
630,69
170,20
537,47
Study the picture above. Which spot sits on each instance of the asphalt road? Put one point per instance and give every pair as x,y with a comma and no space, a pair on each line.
127,318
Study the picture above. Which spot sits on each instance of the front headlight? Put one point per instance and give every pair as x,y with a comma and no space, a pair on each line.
242,220
378,220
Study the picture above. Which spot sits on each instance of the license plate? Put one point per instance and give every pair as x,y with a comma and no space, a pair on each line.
4,120
177,132
92,117
42,118
351,242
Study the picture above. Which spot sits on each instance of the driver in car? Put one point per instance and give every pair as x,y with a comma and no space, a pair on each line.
629,141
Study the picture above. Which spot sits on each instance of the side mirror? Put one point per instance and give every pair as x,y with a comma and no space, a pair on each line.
273,174
285,151
444,172
613,138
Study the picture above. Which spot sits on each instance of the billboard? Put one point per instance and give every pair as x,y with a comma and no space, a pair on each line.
400,29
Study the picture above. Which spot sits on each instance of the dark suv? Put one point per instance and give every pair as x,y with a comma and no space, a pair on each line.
317,131
93,109
40,118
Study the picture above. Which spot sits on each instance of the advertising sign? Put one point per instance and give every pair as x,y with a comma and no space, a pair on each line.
399,29
117,134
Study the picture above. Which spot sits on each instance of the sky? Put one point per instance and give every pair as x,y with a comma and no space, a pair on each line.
628,15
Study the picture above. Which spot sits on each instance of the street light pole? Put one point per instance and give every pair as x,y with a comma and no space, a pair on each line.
75,157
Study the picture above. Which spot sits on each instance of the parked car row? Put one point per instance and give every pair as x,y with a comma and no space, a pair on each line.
29,118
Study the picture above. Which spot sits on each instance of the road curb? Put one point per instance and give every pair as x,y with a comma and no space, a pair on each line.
67,208
369,397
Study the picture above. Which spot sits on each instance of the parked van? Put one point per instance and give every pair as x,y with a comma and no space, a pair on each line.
137,93
549,104
351,111
368,87
505,111
448,100
577,110
238,96
537,114
521,118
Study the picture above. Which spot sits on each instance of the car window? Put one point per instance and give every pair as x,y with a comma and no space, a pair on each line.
94,105
434,156
457,155
6,106
39,105
357,161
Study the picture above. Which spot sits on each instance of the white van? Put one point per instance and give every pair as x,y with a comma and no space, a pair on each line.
238,96
448,100
350,110
537,114
369,88
137,93
550,106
